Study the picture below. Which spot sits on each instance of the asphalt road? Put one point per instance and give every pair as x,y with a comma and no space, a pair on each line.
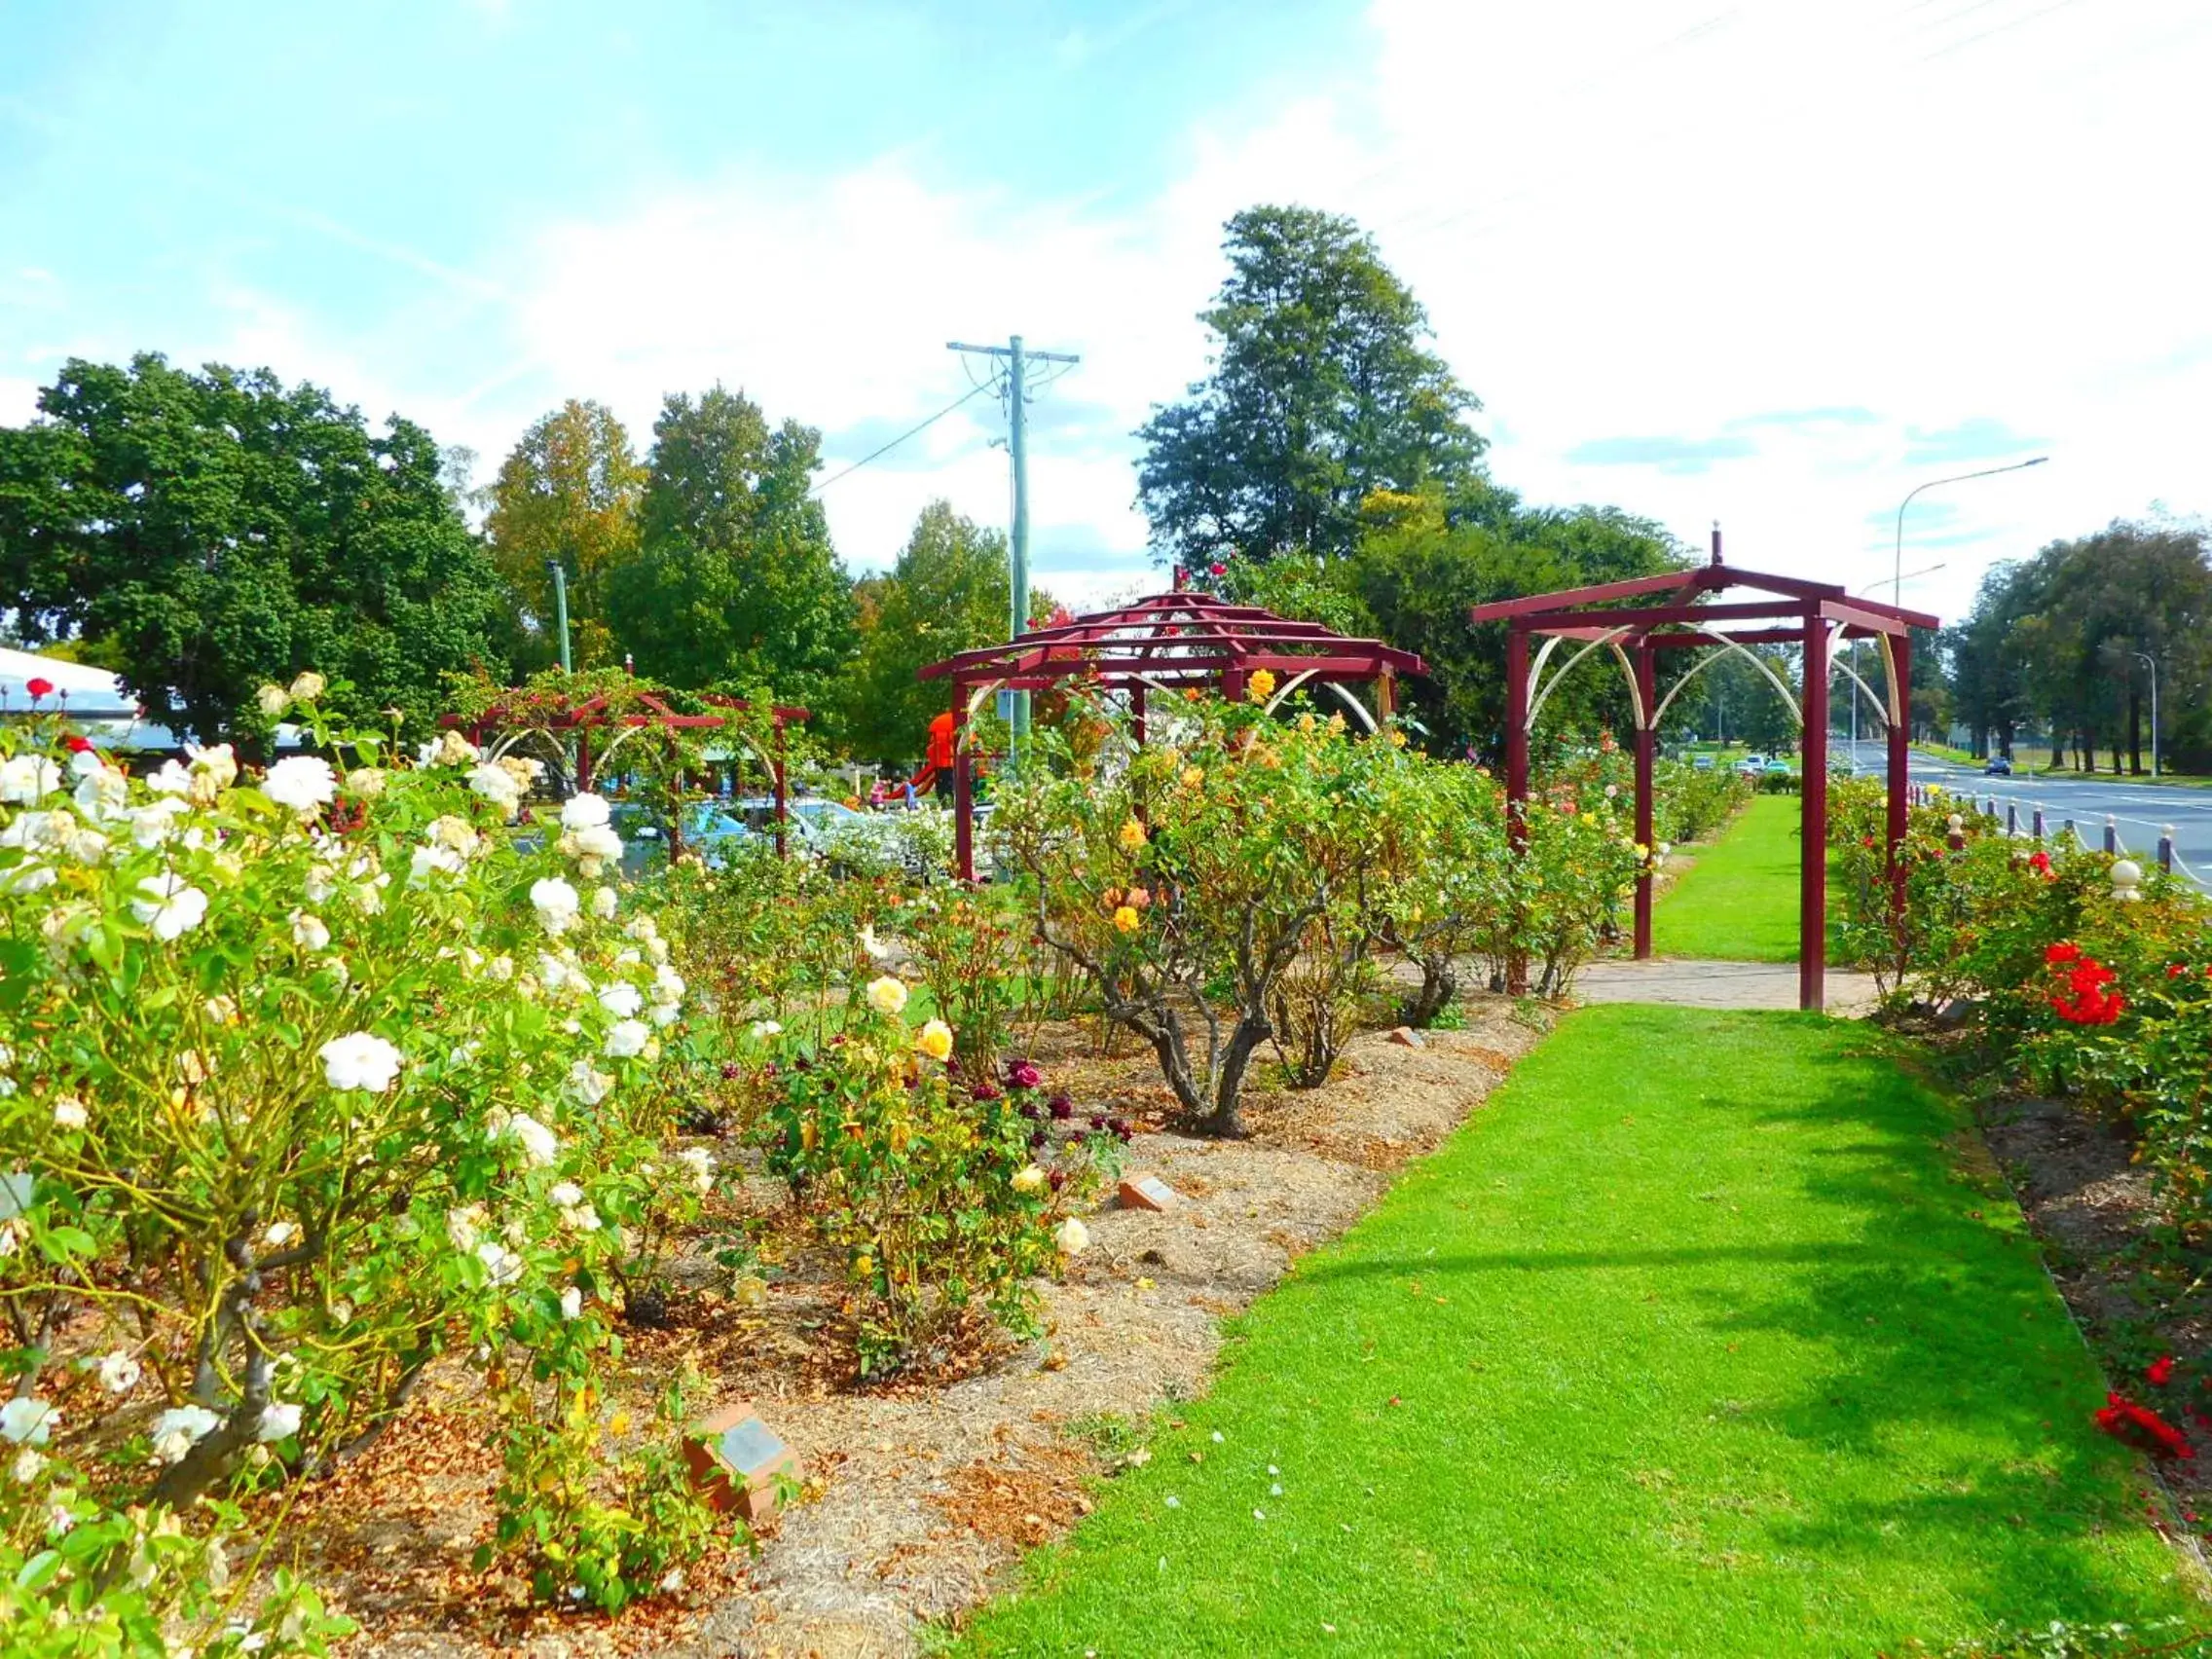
2140,809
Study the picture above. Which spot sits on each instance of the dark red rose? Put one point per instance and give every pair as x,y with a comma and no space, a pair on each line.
1061,1107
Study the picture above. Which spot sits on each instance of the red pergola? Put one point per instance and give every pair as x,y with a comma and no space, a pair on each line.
1168,642
1810,615
527,715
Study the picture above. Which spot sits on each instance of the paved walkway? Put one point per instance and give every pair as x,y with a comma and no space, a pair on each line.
1686,982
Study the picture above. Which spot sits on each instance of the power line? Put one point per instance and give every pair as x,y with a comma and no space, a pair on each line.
873,455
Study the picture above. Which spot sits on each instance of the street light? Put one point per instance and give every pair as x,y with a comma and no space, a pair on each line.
1897,580
2151,663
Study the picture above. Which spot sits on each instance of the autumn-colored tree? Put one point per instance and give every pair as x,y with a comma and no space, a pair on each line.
569,493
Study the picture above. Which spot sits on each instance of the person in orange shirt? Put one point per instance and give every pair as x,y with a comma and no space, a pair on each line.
943,739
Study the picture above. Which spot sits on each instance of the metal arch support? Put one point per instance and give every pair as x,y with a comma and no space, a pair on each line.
1883,707
1896,715
1359,710
1536,670
1796,711
1288,687
1635,690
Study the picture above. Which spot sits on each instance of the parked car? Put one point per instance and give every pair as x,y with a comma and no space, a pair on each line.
1701,762
1997,766
1778,767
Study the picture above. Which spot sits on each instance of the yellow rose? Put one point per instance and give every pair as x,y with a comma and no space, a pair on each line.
308,686
1125,919
1028,1179
1132,836
886,995
1260,686
1193,776
1397,738
936,1040
1306,723
863,1264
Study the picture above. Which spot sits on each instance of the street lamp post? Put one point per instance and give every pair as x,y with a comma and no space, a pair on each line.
1896,587
2151,663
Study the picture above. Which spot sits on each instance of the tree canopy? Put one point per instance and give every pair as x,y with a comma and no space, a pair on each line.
2055,640
1323,392
734,578
567,494
206,532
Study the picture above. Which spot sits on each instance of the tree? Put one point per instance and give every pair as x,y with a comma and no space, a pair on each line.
949,592
208,533
735,580
567,494
1323,392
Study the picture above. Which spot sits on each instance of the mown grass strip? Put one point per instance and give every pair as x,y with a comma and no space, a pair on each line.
1700,1338
1737,903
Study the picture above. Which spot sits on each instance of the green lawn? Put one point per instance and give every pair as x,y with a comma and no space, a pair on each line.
1693,1340
1738,900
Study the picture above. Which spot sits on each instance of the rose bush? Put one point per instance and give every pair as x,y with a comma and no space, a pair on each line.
307,1081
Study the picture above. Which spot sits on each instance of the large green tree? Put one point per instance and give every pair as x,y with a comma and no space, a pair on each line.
1323,392
209,531
567,494
734,580
949,591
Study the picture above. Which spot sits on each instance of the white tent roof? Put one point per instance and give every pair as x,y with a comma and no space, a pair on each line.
93,700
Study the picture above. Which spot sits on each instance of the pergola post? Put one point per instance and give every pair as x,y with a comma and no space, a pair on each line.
1136,713
1900,804
583,761
963,789
1517,775
1813,854
1646,747
783,797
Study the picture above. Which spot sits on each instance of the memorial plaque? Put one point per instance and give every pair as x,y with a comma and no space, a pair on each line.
1406,1037
1148,1193
737,1462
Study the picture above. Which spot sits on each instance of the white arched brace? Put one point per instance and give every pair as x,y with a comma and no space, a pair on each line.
1898,716
1359,710
1288,687
1634,692
1842,664
499,748
1535,671
1673,691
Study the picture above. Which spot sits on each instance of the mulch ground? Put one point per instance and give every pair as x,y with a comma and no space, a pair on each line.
920,1492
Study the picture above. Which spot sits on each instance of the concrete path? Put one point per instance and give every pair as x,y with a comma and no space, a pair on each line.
1693,984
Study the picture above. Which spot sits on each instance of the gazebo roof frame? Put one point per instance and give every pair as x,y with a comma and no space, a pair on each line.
1166,641
1679,613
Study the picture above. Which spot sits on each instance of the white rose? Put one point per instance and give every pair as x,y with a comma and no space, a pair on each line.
280,1233
69,1113
120,1372
307,686
621,1000
540,1146
25,779
668,986
303,783
596,841
504,1265
588,1085
169,905
154,822
701,1163
454,750
628,1039
274,700
29,1421
360,1060
309,932
572,1303
278,1422
586,812
763,1029
429,860
1028,1179
461,1226
556,903
180,1428
27,1466
498,786
1073,1237
170,778
604,901
886,995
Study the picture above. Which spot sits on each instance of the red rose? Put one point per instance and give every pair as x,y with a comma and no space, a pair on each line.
2175,969
1218,569
2063,951
2160,1370
39,688
77,745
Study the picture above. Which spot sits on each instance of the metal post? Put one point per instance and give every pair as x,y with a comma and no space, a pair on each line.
2153,663
1517,774
560,608
2039,821
1813,860
1017,443
2111,835
1900,815
1647,743
2166,849
2011,817
963,789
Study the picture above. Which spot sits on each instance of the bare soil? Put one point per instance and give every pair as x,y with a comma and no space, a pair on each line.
922,1491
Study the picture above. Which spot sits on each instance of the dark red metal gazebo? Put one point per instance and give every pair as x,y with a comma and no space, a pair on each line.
1810,614
1168,642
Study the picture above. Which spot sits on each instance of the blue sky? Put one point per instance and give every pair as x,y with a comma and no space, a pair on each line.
1772,262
